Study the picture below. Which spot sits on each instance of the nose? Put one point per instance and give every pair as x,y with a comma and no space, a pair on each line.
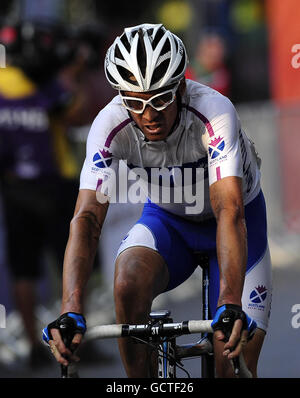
150,114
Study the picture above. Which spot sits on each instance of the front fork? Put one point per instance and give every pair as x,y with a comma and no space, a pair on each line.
207,361
166,364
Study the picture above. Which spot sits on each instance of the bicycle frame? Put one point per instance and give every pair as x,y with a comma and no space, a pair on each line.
207,361
165,367
171,353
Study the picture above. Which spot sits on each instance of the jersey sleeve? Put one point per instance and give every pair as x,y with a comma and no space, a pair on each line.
100,168
223,148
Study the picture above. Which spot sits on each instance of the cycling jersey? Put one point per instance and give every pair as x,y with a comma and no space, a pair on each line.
207,141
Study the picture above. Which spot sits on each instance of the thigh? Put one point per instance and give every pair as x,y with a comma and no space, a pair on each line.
156,234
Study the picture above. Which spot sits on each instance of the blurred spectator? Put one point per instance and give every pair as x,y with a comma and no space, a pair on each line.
209,63
86,76
39,175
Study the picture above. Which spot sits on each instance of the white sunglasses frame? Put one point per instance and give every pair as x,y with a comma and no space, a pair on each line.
146,102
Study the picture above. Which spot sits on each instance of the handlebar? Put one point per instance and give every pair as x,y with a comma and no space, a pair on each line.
163,330
148,330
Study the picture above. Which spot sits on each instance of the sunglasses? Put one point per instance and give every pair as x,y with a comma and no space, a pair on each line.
158,102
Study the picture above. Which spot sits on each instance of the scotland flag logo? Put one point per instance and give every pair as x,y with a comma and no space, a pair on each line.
216,146
259,294
102,159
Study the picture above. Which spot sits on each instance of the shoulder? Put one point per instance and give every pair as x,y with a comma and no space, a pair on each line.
203,100
110,122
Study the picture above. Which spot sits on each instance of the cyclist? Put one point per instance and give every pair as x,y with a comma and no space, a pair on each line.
161,121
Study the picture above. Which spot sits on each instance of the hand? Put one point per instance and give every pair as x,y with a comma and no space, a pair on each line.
64,336
233,326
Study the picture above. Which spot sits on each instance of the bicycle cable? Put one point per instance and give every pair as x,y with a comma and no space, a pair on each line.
163,355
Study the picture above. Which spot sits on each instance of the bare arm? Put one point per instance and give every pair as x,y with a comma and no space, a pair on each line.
80,253
81,249
227,203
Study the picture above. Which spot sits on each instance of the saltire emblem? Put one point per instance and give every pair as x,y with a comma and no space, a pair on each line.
216,146
102,159
259,294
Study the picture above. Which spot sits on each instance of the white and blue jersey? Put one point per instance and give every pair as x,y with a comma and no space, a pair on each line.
207,138
209,142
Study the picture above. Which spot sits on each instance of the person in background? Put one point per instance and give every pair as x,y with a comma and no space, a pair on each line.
208,65
38,171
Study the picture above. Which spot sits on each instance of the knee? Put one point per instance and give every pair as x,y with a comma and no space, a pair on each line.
127,272
131,286
126,289
141,268
138,279
133,298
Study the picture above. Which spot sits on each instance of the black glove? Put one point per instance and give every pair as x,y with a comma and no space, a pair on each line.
225,317
68,324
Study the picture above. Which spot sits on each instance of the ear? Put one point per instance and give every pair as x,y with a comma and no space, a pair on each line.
182,86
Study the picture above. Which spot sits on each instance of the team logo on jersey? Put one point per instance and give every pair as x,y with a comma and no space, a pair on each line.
216,146
102,159
258,294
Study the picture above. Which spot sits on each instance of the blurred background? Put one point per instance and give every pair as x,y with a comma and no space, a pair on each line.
51,89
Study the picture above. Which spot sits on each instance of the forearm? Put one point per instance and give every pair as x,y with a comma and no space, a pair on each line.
232,256
79,258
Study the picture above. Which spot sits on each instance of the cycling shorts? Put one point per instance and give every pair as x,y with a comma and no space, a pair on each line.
177,240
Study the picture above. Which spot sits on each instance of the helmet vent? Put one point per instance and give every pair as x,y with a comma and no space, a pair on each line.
166,48
118,53
111,78
127,75
160,71
142,53
125,42
176,45
158,37
180,67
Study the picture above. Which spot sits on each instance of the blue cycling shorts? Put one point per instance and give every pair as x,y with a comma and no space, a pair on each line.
177,240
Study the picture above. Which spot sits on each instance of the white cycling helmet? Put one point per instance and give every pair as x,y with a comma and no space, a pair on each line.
144,58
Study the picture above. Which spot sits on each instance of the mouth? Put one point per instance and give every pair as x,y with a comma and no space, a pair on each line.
154,128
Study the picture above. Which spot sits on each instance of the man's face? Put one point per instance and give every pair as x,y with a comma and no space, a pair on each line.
155,124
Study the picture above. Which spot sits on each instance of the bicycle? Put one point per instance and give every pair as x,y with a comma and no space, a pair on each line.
160,334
